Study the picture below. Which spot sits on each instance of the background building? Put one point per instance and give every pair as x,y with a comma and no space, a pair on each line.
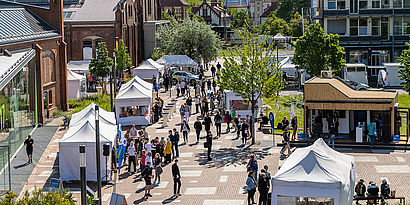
177,8
257,8
372,32
213,13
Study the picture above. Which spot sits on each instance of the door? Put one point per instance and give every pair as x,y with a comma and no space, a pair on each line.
45,103
354,5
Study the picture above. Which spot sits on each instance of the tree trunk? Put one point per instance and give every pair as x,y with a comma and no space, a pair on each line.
252,125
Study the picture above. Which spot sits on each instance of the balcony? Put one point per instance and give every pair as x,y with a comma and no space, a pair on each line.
344,40
366,12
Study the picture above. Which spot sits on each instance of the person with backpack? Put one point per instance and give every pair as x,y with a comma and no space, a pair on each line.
263,188
360,188
251,188
218,124
253,166
147,175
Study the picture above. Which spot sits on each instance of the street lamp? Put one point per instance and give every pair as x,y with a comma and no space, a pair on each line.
83,176
97,151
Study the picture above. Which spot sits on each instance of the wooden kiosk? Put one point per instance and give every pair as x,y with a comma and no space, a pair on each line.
332,96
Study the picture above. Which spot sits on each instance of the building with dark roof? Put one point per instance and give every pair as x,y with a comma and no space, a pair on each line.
213,13
257,8
33,72
177,8
268,11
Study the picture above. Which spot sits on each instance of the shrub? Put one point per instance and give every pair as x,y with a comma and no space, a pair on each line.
38,197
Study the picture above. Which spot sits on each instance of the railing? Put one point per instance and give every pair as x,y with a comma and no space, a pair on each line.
365,11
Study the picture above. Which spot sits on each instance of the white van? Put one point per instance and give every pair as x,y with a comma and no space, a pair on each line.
356,72
389,75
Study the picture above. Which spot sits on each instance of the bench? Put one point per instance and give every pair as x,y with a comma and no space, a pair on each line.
376,199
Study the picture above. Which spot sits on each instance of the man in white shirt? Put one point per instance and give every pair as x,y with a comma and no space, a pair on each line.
182,85
131,157
149,159
148,146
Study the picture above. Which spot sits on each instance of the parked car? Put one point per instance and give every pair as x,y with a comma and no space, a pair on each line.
186,76
357,86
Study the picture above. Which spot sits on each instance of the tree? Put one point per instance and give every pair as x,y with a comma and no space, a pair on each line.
240,19
101,65
296,25
274,25
250,72
404,59
192,38
122,58
316,51
38,197
288,7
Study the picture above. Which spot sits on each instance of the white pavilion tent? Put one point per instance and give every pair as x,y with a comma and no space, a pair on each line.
133,103
313,172
79,66
147,69
83,133
75,85
182,61
88,113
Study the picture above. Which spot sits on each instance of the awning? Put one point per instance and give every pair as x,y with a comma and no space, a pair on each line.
11,65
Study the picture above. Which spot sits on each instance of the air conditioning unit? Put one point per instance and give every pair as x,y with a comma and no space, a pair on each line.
326,74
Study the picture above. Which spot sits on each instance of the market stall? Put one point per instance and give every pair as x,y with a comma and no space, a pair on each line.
76,84
88,113
182,61
315,173
83,132
148,69
241,106
133,103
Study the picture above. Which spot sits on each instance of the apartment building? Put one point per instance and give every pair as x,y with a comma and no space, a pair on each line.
257,8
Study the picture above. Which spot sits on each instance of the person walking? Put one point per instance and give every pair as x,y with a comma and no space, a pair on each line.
29,143
251,188
189,103
182,113
253,167
185,129
209,144
147,175
245,131
214,85
198,129
187,112
308,137
218,66
207,123
263,188
131,158
177,88
182,87
197,104
158,168
286,145
177,178
294,124
218,124
213,71
168,151
227,120
175,141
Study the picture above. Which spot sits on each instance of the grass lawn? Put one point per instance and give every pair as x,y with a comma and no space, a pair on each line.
282,108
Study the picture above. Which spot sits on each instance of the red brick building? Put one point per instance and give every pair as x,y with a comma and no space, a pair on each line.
33,61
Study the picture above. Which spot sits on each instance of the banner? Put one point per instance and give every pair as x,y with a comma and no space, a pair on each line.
122,145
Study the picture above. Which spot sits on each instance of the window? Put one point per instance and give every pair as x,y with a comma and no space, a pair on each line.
386,4
375,27
398,26
398,3
133,111
358,56
259,8
362,27
149,7
331,4
362,4
406,4
341,4
68,14
376,4
50,97
336,26
354,25
406,25
240,104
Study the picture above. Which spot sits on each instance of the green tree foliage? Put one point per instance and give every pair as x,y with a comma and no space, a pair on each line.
288,7
250,71
101,65
38,197
122,58
316,51
274,25
404,59
192,38
240,19
157,54
296,26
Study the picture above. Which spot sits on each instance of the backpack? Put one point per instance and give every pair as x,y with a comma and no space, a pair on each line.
360,189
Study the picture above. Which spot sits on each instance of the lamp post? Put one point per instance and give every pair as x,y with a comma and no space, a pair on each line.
83,176
111,94
97,151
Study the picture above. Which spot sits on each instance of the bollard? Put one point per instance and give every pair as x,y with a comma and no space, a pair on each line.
165,119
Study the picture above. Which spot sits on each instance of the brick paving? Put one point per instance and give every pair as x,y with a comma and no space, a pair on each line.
222,180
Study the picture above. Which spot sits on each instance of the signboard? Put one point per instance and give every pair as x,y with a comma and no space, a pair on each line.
271,120
54,185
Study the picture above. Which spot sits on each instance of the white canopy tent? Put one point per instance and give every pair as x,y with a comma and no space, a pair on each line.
75,85
147,69
242,106
316,171
88,113
79,66
182,61
83,133
133,103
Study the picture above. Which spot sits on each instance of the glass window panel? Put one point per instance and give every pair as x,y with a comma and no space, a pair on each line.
342,4
406,4
363,4
376,4
331,5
